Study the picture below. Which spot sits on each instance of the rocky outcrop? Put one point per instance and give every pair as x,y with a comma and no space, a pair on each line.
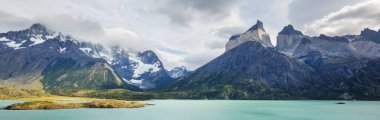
255,33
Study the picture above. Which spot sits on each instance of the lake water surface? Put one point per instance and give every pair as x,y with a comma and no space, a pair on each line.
211,110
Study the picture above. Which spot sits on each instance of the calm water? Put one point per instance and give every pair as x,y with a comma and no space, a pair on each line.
212,110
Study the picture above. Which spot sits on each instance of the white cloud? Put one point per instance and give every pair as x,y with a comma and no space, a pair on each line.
216,44
170,60
273,13
87,30
10,22
306,11
195,60
184,12
126,39
350,19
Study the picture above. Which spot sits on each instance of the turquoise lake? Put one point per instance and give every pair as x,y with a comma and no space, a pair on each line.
211,110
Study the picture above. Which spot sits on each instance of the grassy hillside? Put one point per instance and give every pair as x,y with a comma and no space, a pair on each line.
38,105
23,82
66,75
13,93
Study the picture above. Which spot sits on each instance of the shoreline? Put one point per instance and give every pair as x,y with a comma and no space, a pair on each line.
64,102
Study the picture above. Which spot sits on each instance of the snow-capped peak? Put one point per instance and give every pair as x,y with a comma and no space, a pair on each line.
38,28
134,67
34,35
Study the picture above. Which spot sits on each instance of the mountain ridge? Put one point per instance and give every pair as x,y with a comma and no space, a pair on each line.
337,69
44,46
299,67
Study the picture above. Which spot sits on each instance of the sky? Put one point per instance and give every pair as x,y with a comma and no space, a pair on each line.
186,32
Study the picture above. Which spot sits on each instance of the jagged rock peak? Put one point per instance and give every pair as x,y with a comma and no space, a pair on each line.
149,57
37,28
368,31
255,33
289,30
334,38
234,37
372,35
258,25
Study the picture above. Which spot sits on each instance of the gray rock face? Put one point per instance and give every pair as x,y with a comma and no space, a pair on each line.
257,62
290,30
339,59
256,72
257,26
255,33
335,57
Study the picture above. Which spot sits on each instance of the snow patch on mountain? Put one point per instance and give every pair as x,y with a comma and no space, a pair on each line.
11,43
98,54
4,39
15,45
52,36
134,82
37,40
86,50
179,72
62,50
141,68
134,67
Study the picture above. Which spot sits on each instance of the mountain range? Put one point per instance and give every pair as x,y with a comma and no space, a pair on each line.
40,58
298,67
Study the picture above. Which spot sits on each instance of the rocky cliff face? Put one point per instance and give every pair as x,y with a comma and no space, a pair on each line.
339,59
255,33
336,57
299,67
